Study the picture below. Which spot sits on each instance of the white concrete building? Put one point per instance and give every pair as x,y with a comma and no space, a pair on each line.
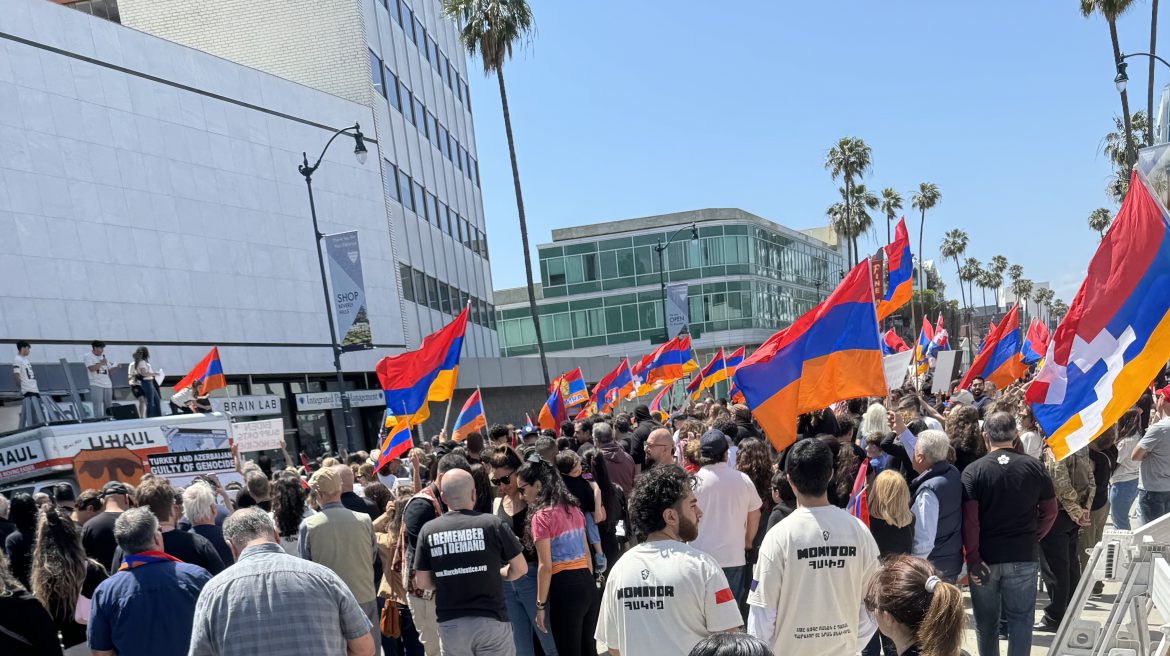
149,192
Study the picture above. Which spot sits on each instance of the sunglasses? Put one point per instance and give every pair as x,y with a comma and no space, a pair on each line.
503,480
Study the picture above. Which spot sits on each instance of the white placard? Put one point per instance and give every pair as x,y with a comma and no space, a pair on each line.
247,406
896,367
944,368
258,435
332,400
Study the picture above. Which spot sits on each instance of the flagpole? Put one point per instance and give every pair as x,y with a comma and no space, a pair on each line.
447,415
482,408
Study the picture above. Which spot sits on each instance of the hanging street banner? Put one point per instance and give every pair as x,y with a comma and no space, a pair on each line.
349,291
676,309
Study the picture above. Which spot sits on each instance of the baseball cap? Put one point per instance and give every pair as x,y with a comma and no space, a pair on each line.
964,397
325,481
114,487
713,444
1164,393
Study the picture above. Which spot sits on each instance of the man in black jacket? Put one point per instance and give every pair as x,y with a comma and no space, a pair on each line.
646,424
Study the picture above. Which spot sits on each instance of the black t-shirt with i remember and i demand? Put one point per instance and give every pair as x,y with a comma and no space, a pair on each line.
464,551
1008,486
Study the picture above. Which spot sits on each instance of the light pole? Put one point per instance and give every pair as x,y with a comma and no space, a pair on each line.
359,150
1122,79
660,248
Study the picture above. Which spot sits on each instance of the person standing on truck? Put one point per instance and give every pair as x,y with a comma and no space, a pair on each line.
101,390
97,536
31,411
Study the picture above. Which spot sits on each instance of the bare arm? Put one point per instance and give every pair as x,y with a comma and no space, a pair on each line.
516,568
753,525
361,646
424,580
599,512
1139,453
543,579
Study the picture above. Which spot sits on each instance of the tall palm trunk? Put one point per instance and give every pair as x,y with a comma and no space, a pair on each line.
962,291
523,228
889,235
984,290
849,219
1130,155
1150,84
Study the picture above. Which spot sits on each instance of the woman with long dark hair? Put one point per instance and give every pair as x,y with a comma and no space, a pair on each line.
18,546
966,435
915,608
556,528
519,595
1123,485
63,578
27,629
142,374
613,502
289,509
754,461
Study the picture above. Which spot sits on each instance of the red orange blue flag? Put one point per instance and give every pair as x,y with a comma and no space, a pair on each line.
395,445
735,359
899,272
1035,342
656,404
553,412
470,419
715,371
831,353
695,387
858,505
411,379
669,362
999,359
1116,335
611,388
574,389
208,374
923,347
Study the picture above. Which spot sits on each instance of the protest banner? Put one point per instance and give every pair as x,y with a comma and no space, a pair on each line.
258,435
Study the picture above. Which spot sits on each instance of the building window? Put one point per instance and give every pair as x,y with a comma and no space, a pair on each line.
451,147
467,96
450,76
407,283
444,136
408,22
390,180
420,199
459,87
392,90
404,191
475,170
420,116
433,293
408,102
376,78
433,202
458,229
420,287
420,37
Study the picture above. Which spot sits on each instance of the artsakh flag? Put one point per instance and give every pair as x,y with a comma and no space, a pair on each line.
1035,342
899,272
923,347
470,419
941,340
999,359
208,374
1116,335
831,353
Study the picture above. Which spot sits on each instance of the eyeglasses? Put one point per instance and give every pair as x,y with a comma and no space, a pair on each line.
503,480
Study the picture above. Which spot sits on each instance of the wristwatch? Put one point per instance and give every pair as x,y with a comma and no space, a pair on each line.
539,605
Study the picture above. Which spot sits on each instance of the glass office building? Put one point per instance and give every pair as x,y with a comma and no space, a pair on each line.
600,284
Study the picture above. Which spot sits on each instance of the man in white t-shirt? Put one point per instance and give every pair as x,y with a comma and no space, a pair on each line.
732,506
101,390
814,565
32,410
663,596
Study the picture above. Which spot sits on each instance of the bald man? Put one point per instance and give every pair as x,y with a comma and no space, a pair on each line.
351,499
659,449
462,556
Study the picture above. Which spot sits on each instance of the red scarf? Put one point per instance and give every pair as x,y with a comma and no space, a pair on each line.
145,558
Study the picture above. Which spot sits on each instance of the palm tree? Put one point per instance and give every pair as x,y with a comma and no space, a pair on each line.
1059,309
1099,220
1043,298
1022,289
891,205
988,280
1113,147
970,272
1015,272
849,159
954,245
859,202
1111,9
490,28
996,267
839,221
924,199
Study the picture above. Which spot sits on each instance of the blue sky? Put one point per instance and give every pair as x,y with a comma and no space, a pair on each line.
625,109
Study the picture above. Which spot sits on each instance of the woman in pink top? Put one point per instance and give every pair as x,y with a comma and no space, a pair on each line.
565,589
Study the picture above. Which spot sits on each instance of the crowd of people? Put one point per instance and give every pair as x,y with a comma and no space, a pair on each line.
621,534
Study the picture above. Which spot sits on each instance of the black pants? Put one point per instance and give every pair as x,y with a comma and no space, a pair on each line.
572,615
1060,568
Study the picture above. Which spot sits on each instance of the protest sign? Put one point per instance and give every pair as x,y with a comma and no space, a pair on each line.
258,435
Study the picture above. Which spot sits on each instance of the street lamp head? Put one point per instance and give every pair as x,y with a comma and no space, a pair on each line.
359,144
1122,79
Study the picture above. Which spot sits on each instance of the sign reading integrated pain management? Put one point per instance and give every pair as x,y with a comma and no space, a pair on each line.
349,291
332,400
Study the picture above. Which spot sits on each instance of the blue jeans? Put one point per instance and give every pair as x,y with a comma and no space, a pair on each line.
407,644
737,580
153,403
520,598
1152,505
1011,587
1121,498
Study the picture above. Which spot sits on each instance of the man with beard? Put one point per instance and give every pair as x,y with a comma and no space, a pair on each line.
664,596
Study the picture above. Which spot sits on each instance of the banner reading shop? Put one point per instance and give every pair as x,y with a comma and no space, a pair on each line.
349,291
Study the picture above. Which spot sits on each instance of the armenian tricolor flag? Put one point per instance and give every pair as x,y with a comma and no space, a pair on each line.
609,390
411,379
553,412
208,374
573,388
734,394
715,371
829,354
396,444
1035,342
999,359
656,404
695,387
1116,335
858,503
899,272
734,360
892,344
671,361
470,419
